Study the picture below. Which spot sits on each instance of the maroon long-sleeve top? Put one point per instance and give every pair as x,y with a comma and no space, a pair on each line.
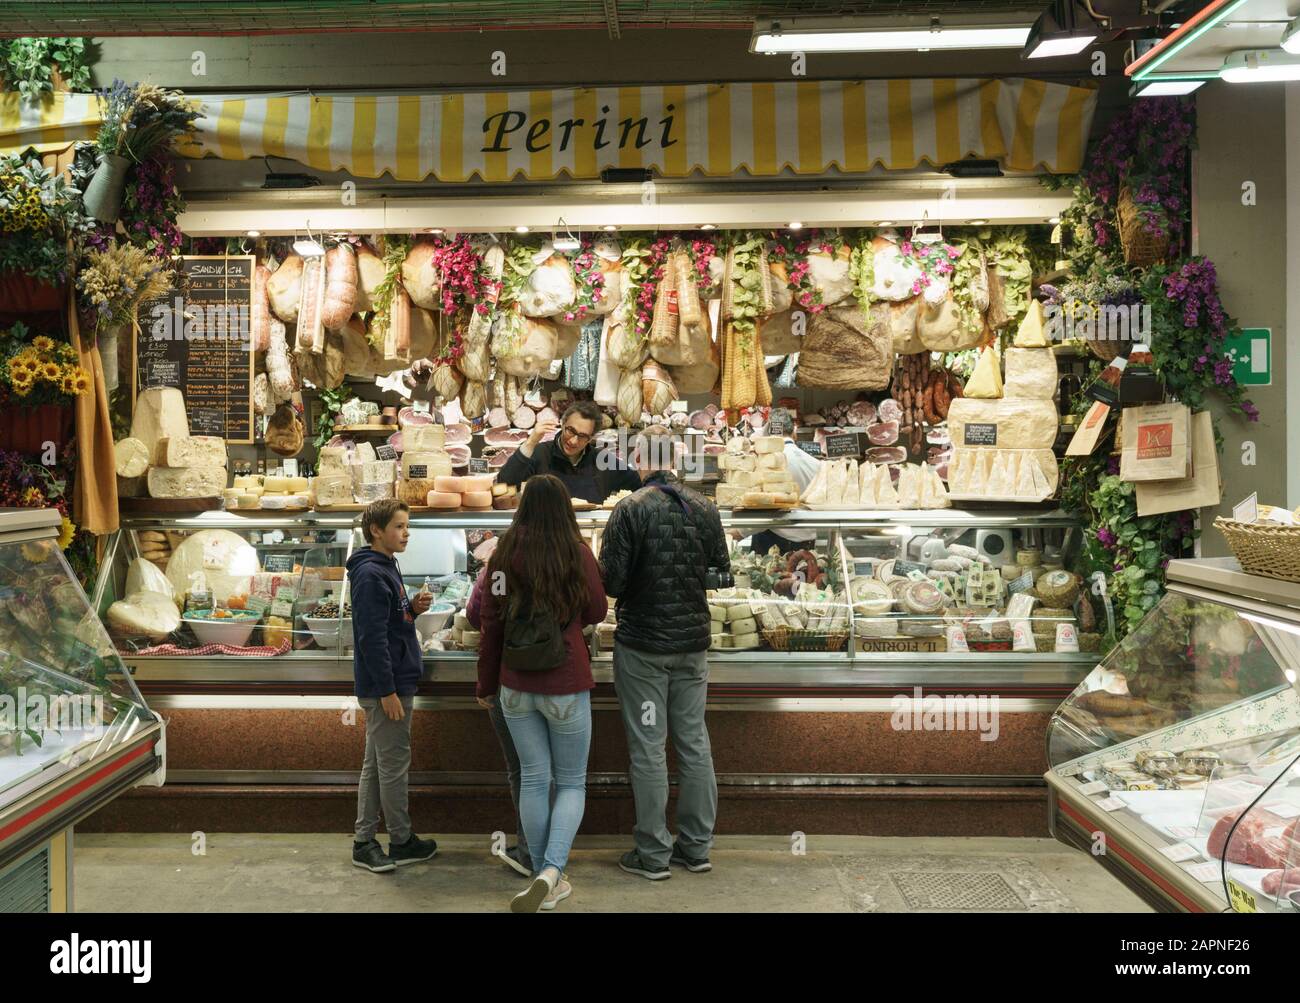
485,611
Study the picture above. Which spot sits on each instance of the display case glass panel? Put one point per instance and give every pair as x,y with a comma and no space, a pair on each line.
65,697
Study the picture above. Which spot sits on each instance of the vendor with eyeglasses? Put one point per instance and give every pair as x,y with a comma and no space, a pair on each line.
571,456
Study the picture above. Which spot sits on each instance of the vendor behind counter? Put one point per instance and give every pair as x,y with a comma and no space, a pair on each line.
572,456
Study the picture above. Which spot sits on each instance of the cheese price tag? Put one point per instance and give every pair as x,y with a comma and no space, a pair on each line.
1110,804
1096,787
904,569
1179,852
279,564
478,465
385,452
1022,584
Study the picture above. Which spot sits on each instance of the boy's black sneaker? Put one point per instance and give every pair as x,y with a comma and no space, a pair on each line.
633,864
412,851
371,857
696,865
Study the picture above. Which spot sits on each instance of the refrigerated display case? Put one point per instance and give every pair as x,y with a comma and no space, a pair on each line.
74,730
837,602
1176,762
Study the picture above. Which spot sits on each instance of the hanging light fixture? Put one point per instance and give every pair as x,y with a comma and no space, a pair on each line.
1066,28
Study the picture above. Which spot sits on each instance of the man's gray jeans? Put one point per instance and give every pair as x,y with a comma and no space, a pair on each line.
385,773
658,694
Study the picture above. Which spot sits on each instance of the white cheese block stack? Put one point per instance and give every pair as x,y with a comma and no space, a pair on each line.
1018,464
734,624
423,461
186,466
755,474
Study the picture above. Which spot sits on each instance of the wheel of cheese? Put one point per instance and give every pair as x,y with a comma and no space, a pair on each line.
131,457
448,484
470,638
718,614
746,625
443,499
739,611
749,640
505,503
476,499
477,482
870,597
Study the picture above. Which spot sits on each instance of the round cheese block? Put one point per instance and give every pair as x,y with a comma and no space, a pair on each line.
885,570
745,625
1058,588
131,458
922,598
749,640
718,614
450,485
505,503
870,597
739,611
1029,558
275,501
477,482
443,499
476,499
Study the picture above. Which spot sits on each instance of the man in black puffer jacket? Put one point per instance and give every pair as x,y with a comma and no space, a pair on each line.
657,550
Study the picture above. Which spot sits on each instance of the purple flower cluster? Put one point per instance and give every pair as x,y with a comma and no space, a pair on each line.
1196,286
151,206
1107,538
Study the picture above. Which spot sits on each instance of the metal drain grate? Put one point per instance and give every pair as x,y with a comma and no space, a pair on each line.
950,892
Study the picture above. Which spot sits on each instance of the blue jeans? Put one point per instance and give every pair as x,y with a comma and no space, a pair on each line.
552,735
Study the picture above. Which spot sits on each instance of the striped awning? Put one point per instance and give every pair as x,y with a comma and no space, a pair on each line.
716,129
51,124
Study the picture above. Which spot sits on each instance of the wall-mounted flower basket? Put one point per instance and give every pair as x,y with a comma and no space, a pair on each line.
27,429
1142,247
21,294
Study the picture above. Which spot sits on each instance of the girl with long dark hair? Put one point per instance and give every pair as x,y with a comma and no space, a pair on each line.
540,588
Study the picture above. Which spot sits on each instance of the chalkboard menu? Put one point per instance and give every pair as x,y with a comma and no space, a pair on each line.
846,444
198,341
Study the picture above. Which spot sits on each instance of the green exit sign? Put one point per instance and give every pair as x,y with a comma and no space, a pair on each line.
1251,353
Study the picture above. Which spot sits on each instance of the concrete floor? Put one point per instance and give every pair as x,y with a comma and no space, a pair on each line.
311,873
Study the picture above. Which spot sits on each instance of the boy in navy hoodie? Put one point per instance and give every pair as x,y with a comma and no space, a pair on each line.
387,664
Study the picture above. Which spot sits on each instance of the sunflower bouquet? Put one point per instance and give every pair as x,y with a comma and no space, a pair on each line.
39,370
39,211
116,282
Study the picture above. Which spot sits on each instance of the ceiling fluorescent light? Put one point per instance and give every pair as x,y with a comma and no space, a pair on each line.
1254,66
896,34
1061,30
1291,38
1164,88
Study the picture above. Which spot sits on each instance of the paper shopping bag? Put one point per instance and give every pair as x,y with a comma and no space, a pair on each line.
1156,443
1198,491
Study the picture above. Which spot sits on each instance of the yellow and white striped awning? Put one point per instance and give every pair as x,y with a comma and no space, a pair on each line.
717,129
51,124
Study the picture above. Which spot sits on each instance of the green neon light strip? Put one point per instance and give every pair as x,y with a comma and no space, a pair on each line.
1192,36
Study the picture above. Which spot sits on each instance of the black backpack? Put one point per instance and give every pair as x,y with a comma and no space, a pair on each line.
533,642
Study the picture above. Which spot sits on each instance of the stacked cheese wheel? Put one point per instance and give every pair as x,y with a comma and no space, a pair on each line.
473,493
156,546
462,634
734,624
271,491
755,474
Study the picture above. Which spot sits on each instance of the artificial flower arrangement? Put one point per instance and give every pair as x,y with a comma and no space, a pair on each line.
140,119
39,211
39,370
116,282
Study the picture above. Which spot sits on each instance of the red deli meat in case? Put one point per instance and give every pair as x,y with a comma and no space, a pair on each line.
1261,840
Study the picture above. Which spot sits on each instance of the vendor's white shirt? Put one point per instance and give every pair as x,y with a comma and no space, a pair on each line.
803,468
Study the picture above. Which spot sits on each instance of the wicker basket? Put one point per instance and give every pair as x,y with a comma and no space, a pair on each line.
1141,249
1263,548
790,639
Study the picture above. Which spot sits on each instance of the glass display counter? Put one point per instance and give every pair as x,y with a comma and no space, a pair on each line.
1176,762
74,730
823,602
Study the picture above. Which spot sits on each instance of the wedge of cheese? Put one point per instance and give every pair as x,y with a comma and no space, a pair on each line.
1000,484
909,493
886,493
816,493
938,493
1018,423
1042,487
190,451
986,382
852,493
1032,332
867,485
1025,478
1031,372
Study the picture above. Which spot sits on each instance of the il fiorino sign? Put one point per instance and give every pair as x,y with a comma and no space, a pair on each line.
763,129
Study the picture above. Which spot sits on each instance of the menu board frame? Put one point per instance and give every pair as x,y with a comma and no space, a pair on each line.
232,365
